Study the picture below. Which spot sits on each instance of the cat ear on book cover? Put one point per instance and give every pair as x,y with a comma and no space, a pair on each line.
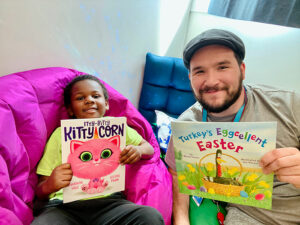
115,140
75,144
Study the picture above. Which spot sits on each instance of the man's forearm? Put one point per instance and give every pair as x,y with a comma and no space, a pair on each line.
180,203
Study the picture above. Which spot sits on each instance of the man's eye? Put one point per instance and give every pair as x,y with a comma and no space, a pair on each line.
223,67
96,96
199,72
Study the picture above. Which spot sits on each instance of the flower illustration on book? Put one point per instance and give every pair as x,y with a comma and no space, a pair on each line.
181,177
252,177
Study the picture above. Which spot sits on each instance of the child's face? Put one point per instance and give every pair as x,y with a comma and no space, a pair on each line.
87,100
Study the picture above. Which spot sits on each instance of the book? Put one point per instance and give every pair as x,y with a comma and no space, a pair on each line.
93,147
220,160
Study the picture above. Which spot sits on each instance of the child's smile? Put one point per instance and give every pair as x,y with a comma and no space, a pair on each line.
91,110
87,100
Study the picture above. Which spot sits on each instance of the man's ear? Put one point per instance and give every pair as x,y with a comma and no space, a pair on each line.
243,69
190,76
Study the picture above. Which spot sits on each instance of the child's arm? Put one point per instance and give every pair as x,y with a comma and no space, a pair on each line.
59,178
132,154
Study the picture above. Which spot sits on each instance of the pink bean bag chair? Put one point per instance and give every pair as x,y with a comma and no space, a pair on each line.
31,106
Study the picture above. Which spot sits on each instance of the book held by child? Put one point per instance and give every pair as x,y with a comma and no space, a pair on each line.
93,147
221,160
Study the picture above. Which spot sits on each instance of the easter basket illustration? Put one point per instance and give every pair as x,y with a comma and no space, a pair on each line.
219,188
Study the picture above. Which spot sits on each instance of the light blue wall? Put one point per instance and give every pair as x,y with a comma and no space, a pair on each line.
110,38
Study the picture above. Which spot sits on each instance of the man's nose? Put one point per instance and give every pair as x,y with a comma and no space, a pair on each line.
211,78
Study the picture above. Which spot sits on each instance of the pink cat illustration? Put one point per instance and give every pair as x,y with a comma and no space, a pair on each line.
93,160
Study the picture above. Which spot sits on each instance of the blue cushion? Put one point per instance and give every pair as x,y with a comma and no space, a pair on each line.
149,115
166,87
153,97
178,101
158,70
180,78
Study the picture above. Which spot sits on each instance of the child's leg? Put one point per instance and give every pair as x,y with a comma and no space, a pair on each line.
55,216
125,212
114,210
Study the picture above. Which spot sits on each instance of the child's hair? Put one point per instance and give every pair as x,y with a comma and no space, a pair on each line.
68,88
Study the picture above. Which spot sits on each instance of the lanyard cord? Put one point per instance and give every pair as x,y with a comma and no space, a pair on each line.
238,115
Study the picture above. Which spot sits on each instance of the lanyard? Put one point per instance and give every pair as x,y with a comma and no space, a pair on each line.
237,117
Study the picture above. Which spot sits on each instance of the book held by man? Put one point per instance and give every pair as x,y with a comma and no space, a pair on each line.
220,160
93,147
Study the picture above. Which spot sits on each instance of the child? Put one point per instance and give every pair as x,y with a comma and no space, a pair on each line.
86,97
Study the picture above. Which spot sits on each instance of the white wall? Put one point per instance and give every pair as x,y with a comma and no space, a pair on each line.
107,38
110,38
272,51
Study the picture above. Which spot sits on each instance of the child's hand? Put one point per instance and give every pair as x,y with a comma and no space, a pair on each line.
130,154
60,177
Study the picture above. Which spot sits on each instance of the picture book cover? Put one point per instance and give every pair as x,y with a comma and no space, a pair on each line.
220,160
93,147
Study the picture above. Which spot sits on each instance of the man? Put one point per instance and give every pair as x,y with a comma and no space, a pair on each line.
216,72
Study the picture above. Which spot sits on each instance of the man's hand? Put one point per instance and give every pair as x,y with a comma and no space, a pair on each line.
285,163
130,154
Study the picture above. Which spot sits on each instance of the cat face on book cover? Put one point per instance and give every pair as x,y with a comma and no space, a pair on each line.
94,158
87,100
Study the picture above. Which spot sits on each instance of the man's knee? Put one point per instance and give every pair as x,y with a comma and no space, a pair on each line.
236,217
149,215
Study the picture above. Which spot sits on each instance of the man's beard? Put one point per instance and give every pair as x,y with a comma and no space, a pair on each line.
231,98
